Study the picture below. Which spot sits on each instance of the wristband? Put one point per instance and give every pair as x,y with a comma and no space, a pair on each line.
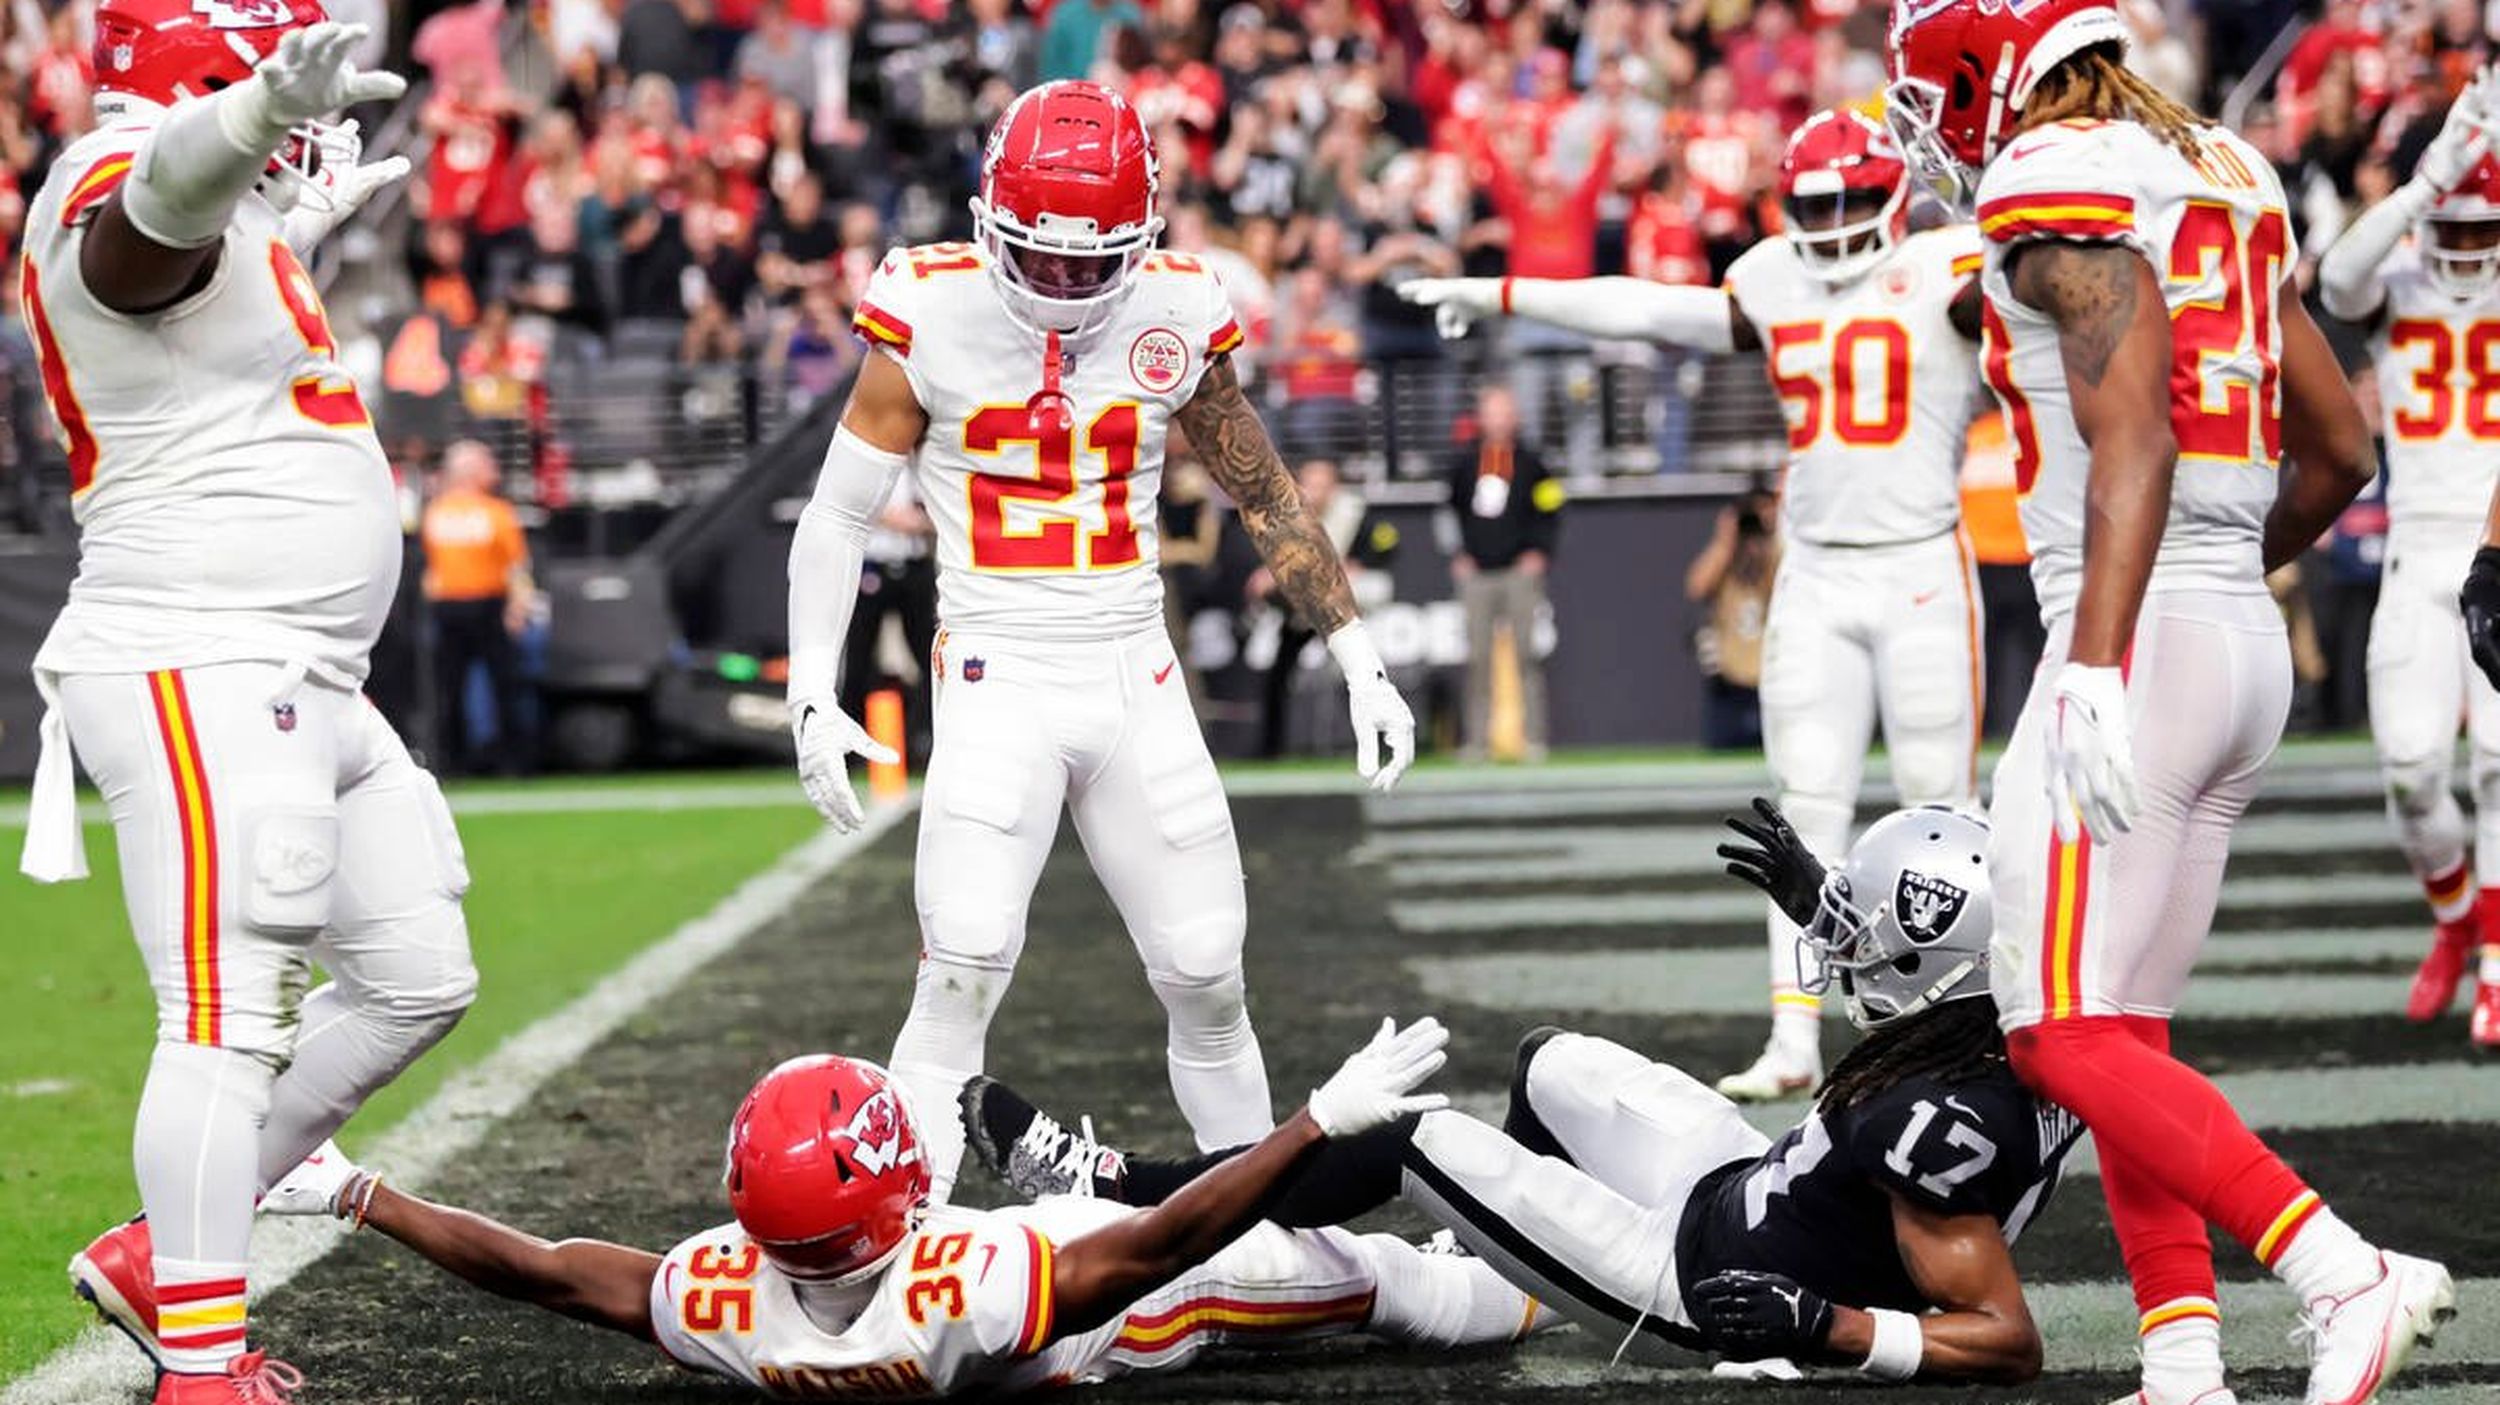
1506,282
1899,1345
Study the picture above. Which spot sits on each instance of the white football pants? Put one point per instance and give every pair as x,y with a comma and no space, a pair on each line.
2423,687
1105,729
1854,634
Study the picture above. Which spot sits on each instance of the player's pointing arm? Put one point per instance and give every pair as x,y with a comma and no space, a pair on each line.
880,428
157,238
1232,442
1624,309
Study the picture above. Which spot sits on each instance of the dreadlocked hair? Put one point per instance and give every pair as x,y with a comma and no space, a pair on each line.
1952,1043
2095,84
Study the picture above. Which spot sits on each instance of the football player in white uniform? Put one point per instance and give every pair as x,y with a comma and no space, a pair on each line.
1870,337
1029,381
2433,312
838,1276
2156,368
239,549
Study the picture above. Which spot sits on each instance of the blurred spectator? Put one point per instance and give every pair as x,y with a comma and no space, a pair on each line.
1364,543
658,36
479,592
1662,243
1320,369
498,368
558,280
1772,64
779,54
1731,581
463,43
1508,508
1074,35
439,267
1552,234
817,352
797,245
63,78
994,43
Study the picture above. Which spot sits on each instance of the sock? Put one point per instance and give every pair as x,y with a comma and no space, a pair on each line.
938,1050
1345,1178
2181,1343
1447,1300
344,1055
2451,892
1219,1077
2318,1255
2148,1109
2162,1237
197,1155
1797,1025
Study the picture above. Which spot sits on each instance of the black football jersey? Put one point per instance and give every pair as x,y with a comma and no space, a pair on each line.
1817,1205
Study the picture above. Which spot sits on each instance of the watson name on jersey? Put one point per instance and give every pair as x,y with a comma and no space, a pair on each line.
2217,236
1046,522
232,500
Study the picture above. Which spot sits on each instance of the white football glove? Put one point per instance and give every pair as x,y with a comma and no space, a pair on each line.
1378,709
2091,754
344,175
313,1187
2465,137
827,738
312,74
1456,303
1375,1085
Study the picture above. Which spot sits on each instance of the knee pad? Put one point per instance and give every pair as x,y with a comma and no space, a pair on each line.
1208,1019
1202,948
441,994
1929,679
293,855
1821,818
972,930
2416,783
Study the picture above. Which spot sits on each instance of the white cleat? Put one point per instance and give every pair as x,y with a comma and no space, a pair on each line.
2218,1395
2357,1344
1777,1074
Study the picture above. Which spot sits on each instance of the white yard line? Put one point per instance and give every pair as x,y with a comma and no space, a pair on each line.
102,1368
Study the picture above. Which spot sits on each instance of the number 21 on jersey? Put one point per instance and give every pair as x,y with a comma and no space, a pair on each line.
1054,544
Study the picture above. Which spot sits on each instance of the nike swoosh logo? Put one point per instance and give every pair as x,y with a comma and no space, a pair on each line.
1922,598
1165,671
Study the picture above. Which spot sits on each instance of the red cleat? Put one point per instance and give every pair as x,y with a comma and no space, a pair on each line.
2435,982
117,1273
249,1379
2486,1027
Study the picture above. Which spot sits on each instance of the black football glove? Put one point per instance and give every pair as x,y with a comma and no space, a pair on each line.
2480,600
1748,1316
1775,860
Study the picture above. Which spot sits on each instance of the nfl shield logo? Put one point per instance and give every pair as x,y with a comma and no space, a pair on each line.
973,670
284,714
1927,907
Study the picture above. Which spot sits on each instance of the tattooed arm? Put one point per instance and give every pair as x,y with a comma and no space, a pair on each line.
1232,442
2114,334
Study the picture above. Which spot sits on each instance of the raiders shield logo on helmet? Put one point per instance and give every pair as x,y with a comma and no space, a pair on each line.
1927,906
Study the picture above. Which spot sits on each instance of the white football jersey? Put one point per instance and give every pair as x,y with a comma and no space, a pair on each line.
1048,532
2218,239
1875,382
2438,363
233,503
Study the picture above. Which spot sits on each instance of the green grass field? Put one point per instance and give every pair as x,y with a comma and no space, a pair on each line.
557,901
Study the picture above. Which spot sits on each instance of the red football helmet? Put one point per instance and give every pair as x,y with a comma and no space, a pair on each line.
1845,192
1962,70
2460,237
824,1167
1067,204
151,54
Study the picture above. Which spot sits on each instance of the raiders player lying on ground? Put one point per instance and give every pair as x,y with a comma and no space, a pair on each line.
1876,1233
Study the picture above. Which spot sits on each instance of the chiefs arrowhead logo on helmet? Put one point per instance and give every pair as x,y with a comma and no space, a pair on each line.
823,1168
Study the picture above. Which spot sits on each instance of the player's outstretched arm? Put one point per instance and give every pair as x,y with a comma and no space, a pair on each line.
1231,440
1099,1275
1982,1330
605,1285
2479,597
155,240
2324,436
2348,273
1622,309
2114,338
880,427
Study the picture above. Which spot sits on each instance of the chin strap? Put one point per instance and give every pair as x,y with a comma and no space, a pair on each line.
1049,408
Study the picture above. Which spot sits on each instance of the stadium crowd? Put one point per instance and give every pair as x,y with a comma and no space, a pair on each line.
711,182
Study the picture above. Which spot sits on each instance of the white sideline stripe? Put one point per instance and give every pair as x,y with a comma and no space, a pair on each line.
102,1368
2256,893
1728,981
1434,858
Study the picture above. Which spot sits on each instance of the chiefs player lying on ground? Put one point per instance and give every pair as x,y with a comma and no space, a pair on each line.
1876,1233
839,1277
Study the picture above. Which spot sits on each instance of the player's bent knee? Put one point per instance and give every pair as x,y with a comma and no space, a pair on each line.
2415,783
1203,948
970,932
